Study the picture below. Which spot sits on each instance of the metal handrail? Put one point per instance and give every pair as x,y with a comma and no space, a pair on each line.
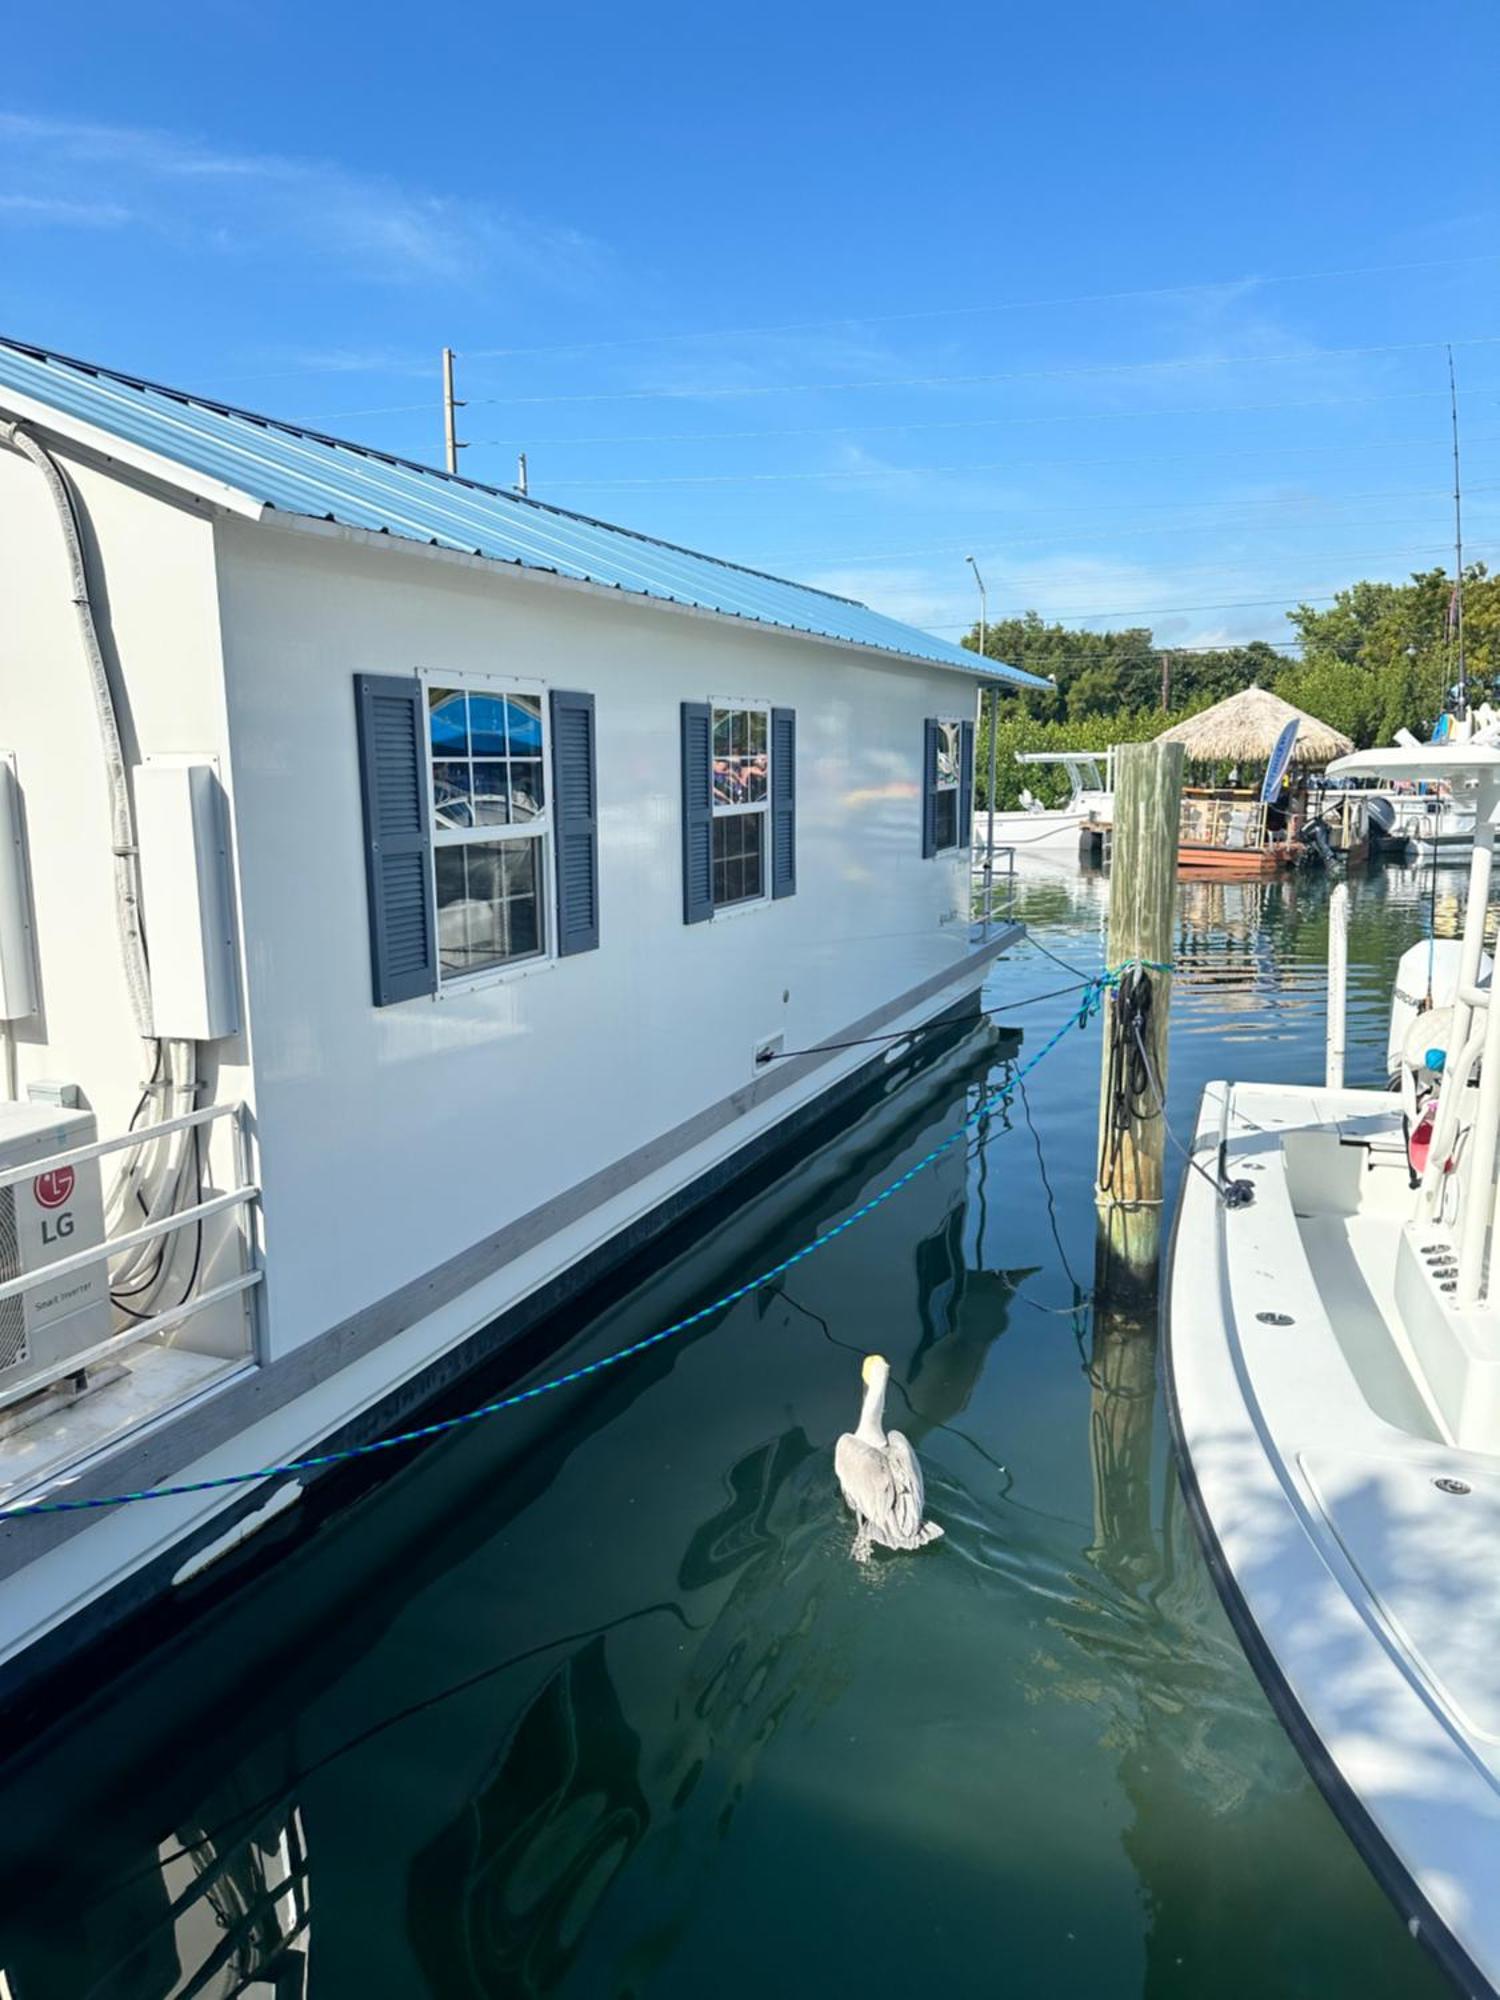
20,1383
982,887
46,1373
111,1246
144,1135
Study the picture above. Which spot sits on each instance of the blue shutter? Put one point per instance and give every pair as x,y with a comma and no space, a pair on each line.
966,784
575,818
697,812
929,787
783,801
392,718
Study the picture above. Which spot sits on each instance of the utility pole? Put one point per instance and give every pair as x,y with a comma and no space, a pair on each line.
1458,547
1166,683
521,487
451,404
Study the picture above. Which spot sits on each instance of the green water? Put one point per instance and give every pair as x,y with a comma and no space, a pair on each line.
591,1701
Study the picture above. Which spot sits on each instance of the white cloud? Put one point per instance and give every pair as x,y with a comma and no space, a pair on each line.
50,210
260,203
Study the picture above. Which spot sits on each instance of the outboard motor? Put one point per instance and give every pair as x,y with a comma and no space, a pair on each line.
1317,848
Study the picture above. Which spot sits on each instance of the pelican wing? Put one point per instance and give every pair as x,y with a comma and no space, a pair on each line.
908,1496
865,1476
883,1484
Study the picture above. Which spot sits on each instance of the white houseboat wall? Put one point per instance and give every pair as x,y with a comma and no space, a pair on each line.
494,865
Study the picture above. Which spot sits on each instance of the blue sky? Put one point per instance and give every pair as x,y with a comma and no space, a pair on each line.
1142,307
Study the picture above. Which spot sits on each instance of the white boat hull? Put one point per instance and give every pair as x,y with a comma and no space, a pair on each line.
1052,835
1312,1417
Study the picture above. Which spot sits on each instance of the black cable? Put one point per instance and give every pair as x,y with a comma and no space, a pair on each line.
119,1294
1037,945
922,1027
1083,1298
161,1264
1232,1194
192,1279
262,1805
1128,1074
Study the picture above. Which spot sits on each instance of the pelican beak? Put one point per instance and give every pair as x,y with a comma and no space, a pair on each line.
872,1363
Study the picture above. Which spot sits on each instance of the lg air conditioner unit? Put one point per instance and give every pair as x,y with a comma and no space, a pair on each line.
45,1216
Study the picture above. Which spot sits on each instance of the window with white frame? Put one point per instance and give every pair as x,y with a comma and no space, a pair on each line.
946,785
741,803
490,823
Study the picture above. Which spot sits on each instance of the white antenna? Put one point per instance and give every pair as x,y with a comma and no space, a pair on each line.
1458,548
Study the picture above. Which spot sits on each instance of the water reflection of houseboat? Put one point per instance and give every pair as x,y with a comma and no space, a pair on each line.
457,1831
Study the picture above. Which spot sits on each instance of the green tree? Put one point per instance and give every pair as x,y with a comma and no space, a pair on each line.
1383,656
1101,674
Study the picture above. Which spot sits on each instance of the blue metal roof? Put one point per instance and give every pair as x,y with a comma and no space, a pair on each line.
303,472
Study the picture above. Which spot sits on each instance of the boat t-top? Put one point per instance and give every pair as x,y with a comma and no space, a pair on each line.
1054,832
1332,1325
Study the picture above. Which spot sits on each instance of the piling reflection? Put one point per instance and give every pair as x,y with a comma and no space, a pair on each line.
1122,1401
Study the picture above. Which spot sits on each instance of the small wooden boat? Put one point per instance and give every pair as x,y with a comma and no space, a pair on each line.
1332,1334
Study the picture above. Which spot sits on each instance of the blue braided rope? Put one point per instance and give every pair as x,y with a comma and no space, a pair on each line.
1092,996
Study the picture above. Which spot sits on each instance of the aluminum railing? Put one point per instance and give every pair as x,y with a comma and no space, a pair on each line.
19,1383
989,883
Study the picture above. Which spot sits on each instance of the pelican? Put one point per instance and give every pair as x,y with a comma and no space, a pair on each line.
880,1476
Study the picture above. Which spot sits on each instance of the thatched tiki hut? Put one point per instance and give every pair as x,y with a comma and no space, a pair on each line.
1243,730
1224,827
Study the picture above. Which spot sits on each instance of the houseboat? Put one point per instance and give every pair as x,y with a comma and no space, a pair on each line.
412,897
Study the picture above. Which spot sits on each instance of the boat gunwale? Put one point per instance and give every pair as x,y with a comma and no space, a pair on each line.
1374,1846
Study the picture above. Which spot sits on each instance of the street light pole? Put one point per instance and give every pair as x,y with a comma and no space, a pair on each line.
989,838
984,606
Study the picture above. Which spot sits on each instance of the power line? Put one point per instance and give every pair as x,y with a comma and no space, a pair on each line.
969,423
1165,610
855,557
994,465
1191,525
1037,661
1042,662
709,391
1016,585
976,311
393,364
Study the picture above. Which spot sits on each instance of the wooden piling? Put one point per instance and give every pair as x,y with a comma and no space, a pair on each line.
1142,926
1122,1399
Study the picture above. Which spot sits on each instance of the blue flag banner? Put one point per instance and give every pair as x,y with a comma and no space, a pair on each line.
1281,756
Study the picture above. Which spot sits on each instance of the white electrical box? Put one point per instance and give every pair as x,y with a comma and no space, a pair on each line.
43,1218
182,829
18,995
